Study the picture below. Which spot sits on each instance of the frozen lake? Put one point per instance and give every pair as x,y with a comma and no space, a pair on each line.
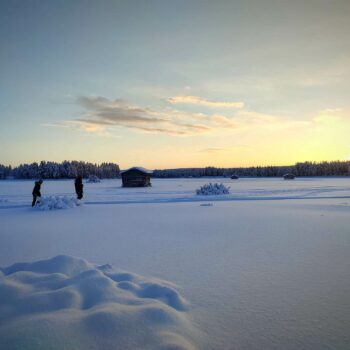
18,193
266,267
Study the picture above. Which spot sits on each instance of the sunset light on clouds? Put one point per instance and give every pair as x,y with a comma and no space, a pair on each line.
175,84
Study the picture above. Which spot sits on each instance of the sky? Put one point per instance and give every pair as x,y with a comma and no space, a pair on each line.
181,83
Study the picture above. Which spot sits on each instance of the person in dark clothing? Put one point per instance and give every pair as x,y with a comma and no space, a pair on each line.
79,187
36,191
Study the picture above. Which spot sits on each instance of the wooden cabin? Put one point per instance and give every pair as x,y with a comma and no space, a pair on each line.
136,177
289,177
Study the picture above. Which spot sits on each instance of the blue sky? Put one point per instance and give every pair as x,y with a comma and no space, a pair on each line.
175,83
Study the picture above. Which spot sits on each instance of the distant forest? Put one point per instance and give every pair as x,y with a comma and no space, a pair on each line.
64,170
70,169
334,168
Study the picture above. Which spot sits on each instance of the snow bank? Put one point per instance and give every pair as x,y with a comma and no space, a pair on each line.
66,302
57,202
213,189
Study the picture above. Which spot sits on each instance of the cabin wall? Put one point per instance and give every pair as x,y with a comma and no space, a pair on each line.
136,179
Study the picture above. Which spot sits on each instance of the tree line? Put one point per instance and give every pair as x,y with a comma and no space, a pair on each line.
64,170
70,169
333,168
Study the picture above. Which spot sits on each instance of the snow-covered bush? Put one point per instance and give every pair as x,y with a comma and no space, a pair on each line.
56,202
93,179
213,189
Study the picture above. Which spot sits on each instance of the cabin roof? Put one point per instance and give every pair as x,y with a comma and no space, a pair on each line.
138,168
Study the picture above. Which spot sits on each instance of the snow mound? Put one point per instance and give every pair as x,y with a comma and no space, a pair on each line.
213,189
57,202
93,179
68,303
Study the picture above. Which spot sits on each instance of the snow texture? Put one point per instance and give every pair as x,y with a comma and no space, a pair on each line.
56,202
213,189
66,302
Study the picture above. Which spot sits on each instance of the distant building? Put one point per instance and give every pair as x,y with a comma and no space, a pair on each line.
289,177
136,177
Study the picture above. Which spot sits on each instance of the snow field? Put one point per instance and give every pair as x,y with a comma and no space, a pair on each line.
265,267
17,194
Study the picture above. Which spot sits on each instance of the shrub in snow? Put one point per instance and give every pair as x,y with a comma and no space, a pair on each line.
93,179
56,202
213,189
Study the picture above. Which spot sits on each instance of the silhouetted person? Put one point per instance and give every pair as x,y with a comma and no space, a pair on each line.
79,187
36,191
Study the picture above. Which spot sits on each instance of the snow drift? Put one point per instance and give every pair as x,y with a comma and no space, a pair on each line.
93,179
68,303
57,202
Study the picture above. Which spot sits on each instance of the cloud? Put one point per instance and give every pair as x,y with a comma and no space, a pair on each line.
330,116
90,126
116,111
101,114
223,121
330,111
223,149
195,100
